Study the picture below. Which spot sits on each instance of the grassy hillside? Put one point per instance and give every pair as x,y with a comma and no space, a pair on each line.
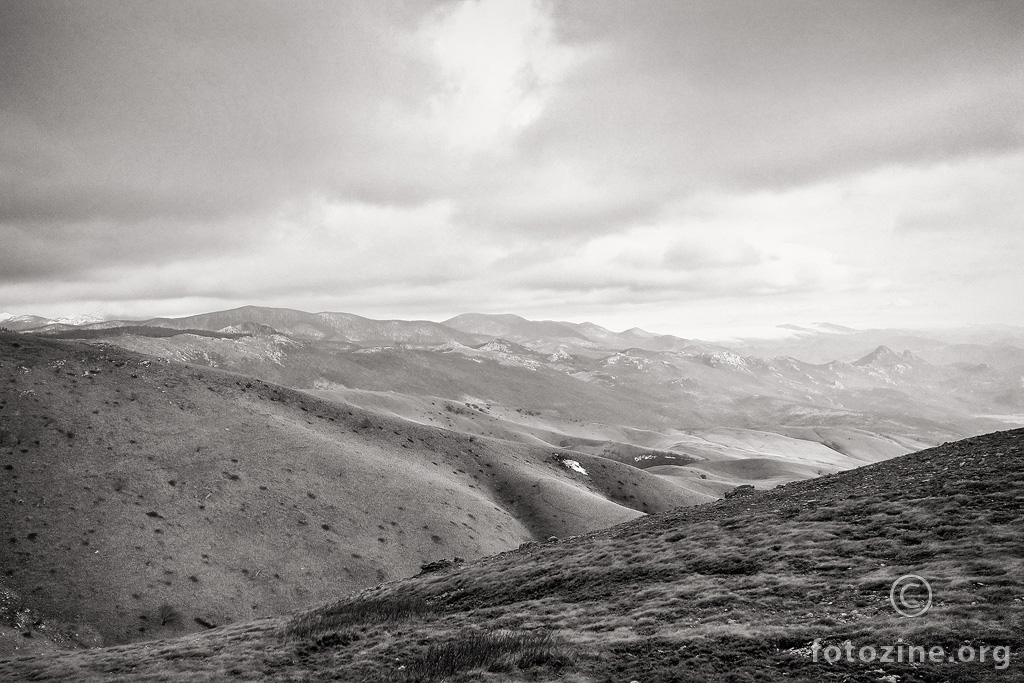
703,406
144,498
736,590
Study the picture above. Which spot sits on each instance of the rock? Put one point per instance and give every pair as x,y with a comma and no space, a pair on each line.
436,566
742,490
440,565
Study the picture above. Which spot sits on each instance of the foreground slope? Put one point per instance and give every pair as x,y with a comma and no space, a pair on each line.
737,590
144,498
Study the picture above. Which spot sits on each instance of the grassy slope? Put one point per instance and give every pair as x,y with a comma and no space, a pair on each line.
128,483
730,591
546,405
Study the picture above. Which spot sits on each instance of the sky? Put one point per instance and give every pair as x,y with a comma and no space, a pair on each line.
685,167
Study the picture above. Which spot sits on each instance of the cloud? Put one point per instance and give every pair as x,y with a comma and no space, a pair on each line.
67,251
663,263
756,95
722,160
199,110
981,197
498,64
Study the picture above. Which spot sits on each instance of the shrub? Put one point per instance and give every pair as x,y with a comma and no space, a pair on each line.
167,615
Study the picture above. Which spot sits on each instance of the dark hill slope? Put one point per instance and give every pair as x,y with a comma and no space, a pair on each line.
736,590
127,484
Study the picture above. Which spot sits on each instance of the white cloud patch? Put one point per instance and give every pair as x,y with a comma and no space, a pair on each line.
676,262
499,63
744,165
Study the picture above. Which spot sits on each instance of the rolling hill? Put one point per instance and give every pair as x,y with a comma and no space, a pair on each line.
632,399
661,402
766,586
144,497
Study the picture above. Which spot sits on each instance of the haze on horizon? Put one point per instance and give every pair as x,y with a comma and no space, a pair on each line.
672,166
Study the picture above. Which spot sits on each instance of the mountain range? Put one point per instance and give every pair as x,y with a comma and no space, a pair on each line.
170,476
885,392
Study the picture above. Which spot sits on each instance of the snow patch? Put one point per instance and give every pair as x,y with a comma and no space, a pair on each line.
573,465
78,320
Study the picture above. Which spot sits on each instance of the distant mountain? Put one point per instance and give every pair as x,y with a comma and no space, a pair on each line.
825,342
632,338
615,394
514,328
549,335
692,403
20,323
883,356
469,329
361,330
343,327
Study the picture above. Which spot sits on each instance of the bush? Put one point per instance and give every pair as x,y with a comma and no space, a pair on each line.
167,615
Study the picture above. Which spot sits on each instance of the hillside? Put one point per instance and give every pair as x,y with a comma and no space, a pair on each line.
840,414
702,418
736,590
136,489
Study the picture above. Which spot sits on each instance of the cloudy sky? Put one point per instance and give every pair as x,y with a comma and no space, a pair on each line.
681,166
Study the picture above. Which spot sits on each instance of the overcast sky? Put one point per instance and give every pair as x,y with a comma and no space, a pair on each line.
680,166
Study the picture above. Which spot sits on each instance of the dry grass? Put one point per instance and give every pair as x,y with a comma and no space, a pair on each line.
504,652
374,610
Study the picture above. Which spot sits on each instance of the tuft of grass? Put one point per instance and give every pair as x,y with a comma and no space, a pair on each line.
382,610
727,564
493,651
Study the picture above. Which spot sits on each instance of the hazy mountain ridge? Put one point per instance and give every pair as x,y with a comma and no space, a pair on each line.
1001,346
575,392
818,344
640,389
468,329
